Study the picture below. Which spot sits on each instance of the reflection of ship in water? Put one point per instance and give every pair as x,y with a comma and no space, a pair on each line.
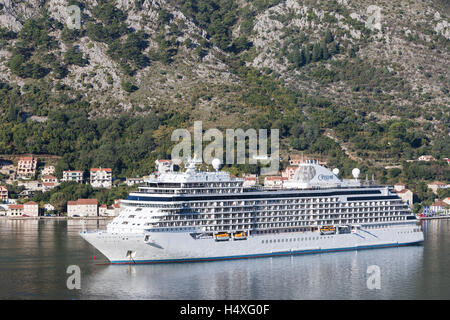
197,216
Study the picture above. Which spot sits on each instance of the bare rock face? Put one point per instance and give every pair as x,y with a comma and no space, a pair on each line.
399,38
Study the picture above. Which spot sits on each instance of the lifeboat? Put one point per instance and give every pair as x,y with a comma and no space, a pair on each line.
224,236
240,236
327,230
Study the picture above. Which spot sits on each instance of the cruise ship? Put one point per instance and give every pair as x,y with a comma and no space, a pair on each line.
195,215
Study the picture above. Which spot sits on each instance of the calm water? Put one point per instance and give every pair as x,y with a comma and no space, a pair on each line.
34,256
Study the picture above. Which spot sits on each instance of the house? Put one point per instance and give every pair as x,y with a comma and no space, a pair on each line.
82,208
163,166
26,167
106,211
133,181
289,172
49,179
73,175
447,200
31,209
49,207
399,187
406,195
15,210
250,180
426,158
274,181
101,177
48,170
434,186
439,207
117,207
3,193
48,186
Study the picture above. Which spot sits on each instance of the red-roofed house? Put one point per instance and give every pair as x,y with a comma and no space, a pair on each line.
439,207
101,177
406,196
399,186
31,209
15,210
163,166
274,181
26,168
82,208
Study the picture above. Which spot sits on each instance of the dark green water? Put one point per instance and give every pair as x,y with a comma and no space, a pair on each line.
35,255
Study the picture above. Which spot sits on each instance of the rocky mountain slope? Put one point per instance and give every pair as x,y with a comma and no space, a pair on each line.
338,63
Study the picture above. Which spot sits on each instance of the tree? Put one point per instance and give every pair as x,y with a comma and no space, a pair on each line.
316,52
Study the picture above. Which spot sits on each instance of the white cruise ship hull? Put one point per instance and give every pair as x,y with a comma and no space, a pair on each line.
182,247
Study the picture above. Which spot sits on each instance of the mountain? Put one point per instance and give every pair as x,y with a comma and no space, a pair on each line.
338,78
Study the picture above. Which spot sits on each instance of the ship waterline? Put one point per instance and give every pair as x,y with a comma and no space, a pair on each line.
201,216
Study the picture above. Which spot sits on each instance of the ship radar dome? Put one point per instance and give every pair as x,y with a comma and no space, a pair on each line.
355,173
336,171
216,163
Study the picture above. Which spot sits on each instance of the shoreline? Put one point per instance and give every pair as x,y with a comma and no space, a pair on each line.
432,218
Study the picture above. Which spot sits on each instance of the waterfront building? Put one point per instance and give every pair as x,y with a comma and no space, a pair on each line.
439,207
101,177
106,211
73,175
26,167
31,209
15,210
82,208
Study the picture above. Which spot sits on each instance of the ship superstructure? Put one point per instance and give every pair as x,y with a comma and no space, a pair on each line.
196,215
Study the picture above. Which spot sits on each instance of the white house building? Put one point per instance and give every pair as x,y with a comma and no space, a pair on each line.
274,181
73,175
82,208
48,170
101,177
